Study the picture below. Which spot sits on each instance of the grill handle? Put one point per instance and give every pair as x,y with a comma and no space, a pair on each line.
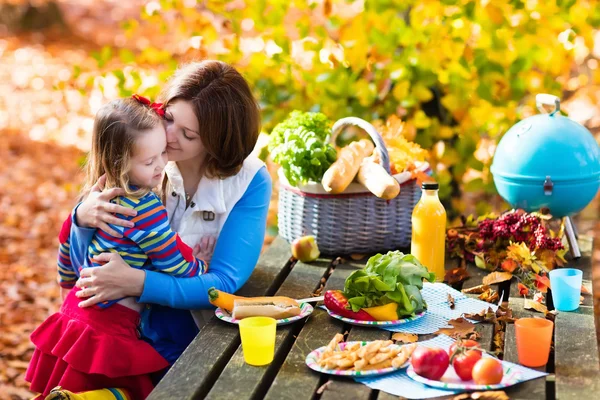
544,99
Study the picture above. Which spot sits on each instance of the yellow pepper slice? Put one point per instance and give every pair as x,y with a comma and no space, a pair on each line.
383,313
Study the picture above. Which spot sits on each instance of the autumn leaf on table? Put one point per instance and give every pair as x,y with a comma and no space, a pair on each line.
529,304
483,316
542,283
497,277
490,296
405,337
585,290
461,329
456,275
523,290
509,265
479,289
451,301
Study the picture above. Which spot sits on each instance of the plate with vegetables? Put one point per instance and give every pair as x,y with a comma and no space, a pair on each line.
232,308
467,367
359,358
386,292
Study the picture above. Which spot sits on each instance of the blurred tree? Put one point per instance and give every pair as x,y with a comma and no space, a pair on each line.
459,72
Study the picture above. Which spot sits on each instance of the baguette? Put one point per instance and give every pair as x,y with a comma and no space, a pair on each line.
341,173
375,178
276,307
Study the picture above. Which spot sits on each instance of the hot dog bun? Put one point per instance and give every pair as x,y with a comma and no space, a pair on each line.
275,307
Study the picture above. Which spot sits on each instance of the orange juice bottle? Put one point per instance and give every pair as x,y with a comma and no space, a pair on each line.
428,243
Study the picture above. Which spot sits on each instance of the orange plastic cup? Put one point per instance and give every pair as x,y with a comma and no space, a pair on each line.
534,336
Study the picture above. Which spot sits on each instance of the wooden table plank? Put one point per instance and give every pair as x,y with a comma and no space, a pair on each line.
200,364
240,380
576,363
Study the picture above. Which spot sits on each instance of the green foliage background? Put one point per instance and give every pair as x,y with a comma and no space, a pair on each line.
459,72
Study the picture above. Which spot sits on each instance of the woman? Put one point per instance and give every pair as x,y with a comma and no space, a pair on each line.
214,192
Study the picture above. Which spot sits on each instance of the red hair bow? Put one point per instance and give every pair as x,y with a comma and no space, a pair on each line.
157,107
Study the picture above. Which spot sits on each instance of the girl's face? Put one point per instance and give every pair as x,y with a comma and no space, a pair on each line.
183,139
149,158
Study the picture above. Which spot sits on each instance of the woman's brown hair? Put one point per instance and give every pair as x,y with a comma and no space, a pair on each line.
228,115
116,127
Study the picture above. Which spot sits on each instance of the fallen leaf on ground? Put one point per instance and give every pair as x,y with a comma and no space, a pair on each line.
476,289
496,277
489,395
491,296
456,275
484,315
451,301
461,329
405,337
534,305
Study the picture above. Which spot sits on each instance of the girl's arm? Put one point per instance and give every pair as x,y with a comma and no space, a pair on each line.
234,259
154,236
236,253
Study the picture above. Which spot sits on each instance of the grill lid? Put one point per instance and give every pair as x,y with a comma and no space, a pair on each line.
547,148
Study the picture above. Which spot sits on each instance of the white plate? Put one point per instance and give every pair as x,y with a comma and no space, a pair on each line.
452,381
305,310
375,324
312,360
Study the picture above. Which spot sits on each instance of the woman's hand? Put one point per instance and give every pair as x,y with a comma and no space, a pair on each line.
205,249
96,211
114,280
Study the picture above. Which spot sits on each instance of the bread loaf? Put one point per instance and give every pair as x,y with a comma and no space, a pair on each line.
341,173
375,178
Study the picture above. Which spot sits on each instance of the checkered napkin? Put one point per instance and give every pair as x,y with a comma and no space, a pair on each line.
438,310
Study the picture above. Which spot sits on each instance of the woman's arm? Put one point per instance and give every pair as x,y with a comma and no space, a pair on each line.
234,259
236,253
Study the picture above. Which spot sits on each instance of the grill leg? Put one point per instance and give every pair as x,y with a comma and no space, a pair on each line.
572,238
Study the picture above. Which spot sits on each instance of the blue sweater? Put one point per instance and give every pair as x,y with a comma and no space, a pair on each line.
167,324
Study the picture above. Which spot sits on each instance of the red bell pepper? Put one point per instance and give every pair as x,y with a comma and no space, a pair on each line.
338,303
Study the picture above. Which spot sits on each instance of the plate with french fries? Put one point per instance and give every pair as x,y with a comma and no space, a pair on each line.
359,358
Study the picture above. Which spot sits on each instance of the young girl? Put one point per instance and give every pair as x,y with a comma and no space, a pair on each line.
92,348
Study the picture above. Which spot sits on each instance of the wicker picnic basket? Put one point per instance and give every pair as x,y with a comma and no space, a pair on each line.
355,221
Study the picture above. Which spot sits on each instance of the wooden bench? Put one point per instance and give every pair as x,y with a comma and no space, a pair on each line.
213,366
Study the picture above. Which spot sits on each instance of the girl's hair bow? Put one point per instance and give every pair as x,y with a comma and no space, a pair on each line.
157,107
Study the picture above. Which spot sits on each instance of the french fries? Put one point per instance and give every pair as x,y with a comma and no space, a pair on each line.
378,354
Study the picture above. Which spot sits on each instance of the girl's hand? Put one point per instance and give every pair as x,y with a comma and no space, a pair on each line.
96,211
205,249
112,281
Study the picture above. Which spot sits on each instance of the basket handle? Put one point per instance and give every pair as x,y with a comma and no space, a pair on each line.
371,131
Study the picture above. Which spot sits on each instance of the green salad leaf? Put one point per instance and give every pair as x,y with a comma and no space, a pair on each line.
392,277
318,123
303,154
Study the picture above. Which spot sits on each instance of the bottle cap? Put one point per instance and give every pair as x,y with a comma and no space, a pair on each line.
430,186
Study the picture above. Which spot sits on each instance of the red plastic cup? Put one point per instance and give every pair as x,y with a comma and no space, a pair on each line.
534,336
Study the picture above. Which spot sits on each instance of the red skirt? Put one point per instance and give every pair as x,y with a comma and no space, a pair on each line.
92,348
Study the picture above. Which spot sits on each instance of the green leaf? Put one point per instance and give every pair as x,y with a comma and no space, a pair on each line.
480,262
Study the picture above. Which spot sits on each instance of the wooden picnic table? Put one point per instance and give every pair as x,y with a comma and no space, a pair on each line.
213,366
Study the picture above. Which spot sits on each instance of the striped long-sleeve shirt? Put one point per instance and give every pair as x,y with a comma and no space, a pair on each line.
150,244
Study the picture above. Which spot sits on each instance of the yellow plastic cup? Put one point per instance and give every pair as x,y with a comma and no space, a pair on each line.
534,336
258,339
